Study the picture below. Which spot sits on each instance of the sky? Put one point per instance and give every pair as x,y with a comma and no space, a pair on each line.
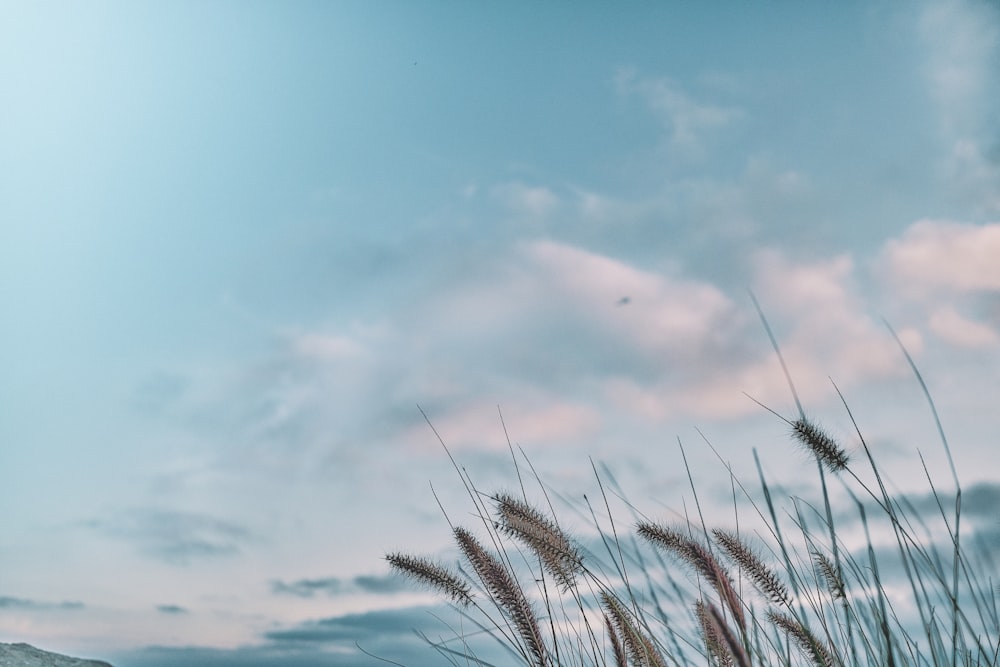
244,244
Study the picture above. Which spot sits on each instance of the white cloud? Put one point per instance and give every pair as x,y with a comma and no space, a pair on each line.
823,329
963,39
686,118
537,419
832,332
554,333
963,43
325,346
949,273
660,312
955,328
934,256
532,201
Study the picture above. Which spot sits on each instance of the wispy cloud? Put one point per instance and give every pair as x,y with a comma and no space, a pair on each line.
687,120
963,39
175,537
36,605
934,256
949,271
171,609
307,588
388,633
532,201
333,586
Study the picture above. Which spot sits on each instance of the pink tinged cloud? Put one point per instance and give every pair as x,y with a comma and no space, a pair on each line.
934,256
948,324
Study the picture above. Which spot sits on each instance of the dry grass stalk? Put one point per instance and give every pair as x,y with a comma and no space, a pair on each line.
807,641
616,643
506,592
641,650
558,554
736,650
718,649
698,557
765,579
434,575
831,576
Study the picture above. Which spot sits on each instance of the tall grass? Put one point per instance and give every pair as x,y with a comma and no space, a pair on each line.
799,588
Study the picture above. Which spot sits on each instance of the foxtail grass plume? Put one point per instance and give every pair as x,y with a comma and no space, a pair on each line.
831,575
824,448
507,593
642,652
715,643
698,557
430,573
558,555
817,652
765,579
616,643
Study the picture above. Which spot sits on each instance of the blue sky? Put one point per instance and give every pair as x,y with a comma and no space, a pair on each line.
240,243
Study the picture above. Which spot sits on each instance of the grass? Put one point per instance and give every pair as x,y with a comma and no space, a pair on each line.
797,588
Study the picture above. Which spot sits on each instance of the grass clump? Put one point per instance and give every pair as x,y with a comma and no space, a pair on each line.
799,593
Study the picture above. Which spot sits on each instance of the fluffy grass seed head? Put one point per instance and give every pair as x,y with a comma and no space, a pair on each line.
817,651
765,579
698,557
430,573
559,556
506,592
831,576
641,650
823,447
718,651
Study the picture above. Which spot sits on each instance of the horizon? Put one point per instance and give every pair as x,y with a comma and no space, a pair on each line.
245,248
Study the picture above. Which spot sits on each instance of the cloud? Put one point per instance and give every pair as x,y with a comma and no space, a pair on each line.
963,38
307,588
171,609
963,42
388,633
248,656
824,331
333,586
933,256
686,119
35,605
526,200
175,537
350,628
324,347
158,392
955,328
949,271
381,584
978,501
538,328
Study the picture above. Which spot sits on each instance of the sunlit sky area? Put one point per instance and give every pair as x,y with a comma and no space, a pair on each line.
244,244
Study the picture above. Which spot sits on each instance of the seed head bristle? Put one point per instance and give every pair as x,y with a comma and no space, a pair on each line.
559,556
831,576
765,579
824,448
698,557
807,641
616,643
506,593
736,649
641,650
712,634
430,573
